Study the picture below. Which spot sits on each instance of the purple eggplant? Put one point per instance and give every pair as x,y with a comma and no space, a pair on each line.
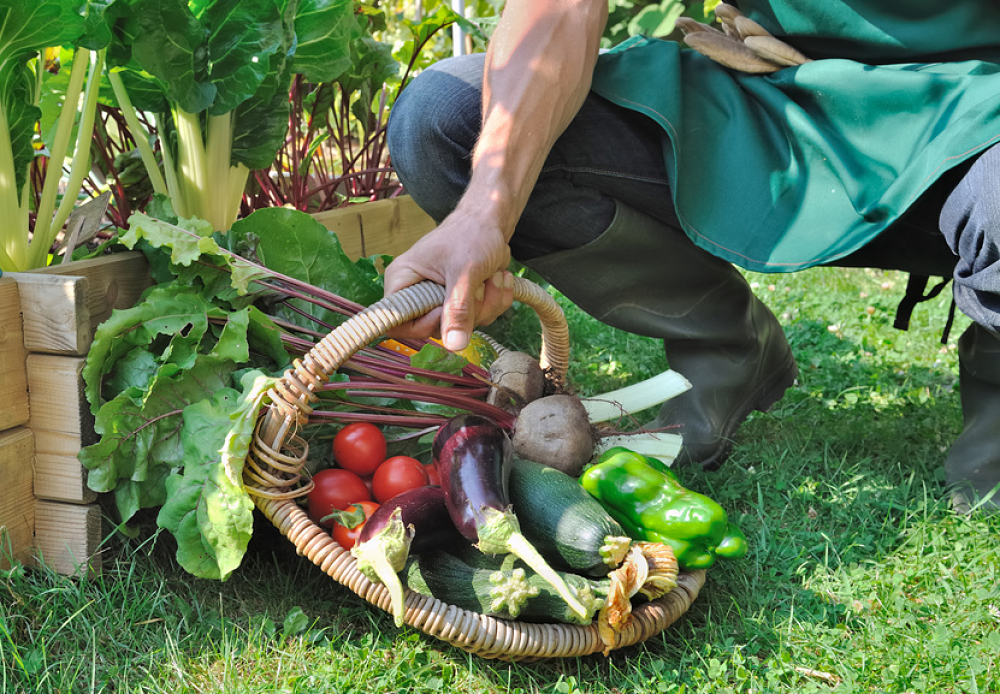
472,457
416,520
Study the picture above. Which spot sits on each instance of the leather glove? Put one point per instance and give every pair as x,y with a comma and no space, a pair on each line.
742,45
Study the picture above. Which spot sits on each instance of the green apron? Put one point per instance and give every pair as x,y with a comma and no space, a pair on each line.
781,172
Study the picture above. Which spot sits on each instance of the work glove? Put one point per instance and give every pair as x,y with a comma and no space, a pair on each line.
742,45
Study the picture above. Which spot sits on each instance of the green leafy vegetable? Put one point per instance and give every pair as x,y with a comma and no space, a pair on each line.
26,30
206,509
217,73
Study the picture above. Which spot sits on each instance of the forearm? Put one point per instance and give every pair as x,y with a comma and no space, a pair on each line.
538,72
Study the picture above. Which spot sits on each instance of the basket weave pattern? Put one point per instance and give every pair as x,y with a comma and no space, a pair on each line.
273,477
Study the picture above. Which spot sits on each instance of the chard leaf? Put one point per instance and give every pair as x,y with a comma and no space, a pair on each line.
438,359
207,509
325,30
260,123
188,241
243,36
167,311
167,42
141,433
293,243
98,16
265,338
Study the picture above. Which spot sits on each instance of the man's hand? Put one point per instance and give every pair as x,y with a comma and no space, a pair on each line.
539,67
469,257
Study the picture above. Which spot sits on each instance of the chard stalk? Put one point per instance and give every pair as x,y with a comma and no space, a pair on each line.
218,153
238,176
81,155
192,169
12,251
138,133
170,174
43,237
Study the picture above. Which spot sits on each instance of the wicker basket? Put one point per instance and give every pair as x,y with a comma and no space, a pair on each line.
273,477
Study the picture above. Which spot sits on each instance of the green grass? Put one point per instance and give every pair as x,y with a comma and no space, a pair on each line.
860,577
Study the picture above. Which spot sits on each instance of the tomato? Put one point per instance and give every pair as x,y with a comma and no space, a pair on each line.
347,537
359,447
396,475
335,490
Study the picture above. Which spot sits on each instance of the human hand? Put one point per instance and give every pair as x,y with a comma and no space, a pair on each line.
469,257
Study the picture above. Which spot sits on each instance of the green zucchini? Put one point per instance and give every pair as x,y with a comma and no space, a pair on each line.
566,525
500,586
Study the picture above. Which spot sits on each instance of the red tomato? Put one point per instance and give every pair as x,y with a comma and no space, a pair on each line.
396,475
347,537
335,490
432,475
359,447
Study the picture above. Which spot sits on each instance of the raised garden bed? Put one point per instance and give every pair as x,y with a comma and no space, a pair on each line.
47,322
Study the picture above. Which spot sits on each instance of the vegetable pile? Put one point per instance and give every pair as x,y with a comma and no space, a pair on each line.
413,459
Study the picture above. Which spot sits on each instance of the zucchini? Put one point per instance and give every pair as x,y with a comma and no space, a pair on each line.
566,525
500,586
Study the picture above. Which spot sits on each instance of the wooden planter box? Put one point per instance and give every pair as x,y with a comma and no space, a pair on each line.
47,322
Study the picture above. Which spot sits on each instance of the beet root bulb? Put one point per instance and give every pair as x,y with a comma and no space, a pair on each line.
555,431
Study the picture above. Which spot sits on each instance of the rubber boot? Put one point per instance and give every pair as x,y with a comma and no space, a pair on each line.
646,277
972,468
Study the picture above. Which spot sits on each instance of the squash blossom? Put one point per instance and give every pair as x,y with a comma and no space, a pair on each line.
651,504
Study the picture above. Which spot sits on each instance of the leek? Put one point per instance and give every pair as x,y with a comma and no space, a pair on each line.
636,397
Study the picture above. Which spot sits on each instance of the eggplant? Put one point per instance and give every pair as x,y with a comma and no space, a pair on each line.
472,456
414,521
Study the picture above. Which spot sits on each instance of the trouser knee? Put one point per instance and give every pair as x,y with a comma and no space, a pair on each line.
433,127
970,222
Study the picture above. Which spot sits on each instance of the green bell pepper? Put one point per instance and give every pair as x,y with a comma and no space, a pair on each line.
651,504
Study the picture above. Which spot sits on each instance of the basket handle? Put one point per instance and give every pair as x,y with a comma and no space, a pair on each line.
291,398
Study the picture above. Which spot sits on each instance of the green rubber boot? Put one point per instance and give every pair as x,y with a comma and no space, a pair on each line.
972,468
648,278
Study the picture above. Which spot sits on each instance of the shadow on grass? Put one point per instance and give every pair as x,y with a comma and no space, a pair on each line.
832,476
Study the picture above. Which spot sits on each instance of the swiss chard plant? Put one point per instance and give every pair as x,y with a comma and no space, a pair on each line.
335,152
63,116
215,74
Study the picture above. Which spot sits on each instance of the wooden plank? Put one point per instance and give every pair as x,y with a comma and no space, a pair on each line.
114,281
61,478
54,313
68,537
17,501
62,424
55,384
13,380
63,305
380,227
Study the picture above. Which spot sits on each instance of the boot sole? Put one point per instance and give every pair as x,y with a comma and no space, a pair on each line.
763,400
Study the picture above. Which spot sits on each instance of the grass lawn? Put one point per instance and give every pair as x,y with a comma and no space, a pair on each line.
860,577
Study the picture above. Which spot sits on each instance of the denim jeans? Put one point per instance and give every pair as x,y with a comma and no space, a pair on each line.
609,153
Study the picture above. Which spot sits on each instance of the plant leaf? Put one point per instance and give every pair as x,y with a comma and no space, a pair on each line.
188,241
166,311
293,243
261,122
243,35
167,41
325,30
141,433
207,509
